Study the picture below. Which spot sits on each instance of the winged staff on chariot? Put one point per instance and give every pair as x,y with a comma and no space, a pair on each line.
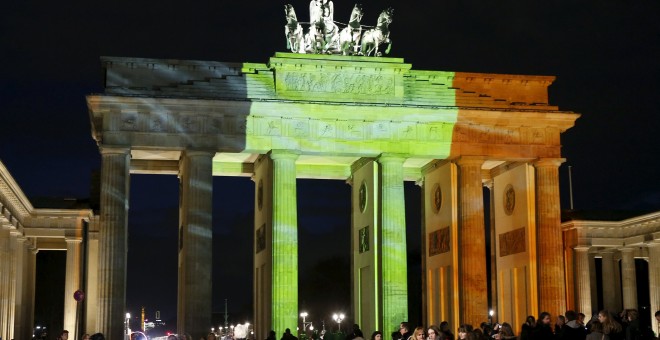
324,36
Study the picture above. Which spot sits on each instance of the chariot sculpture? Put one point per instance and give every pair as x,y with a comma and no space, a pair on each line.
324,36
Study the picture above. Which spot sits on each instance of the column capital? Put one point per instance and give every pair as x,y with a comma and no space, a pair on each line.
15,233
284,154
114,149
72,240
652,244
582,249
391,158
470,160
626,250
548,162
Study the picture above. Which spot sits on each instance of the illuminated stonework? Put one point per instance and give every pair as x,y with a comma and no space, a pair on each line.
369,120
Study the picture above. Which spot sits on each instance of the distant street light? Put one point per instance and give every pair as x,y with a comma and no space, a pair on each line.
339,318
304,315
127,329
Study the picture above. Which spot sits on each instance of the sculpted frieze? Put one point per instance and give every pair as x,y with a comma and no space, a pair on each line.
129,121
327,129
298,128
188,123
351,130
512,242
407,131
381,130
346,83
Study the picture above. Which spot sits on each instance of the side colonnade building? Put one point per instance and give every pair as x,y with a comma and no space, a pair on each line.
24,231
374,122
617,242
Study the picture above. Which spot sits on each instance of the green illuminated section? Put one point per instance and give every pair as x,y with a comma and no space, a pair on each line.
348,106
393,243
285,242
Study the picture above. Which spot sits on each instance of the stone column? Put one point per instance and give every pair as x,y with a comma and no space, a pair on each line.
472,243
20,266
285,241
551,280
113,237
582,280
11,288
195,243
393,242
628,279
617,305
654,281
606,278
71,284
4,281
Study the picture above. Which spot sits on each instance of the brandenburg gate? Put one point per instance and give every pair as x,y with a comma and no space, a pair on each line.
374,122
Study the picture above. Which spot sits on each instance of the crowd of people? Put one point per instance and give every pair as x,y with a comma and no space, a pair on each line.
571,326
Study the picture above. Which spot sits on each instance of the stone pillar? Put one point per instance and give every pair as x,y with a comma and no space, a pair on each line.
285,241
606,278
195,243
582,280
20,265
616,305
393,242
654,282
628,279
4,281
472,243
71,284
11,288
113,237
551,276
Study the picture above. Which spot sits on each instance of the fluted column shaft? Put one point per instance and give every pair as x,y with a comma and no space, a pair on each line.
285,241
11,289
617,305
583,280
393,242
71,284
628,279
195,245
472,243
654,281
606,276
5,266
551,275
113,237
20,270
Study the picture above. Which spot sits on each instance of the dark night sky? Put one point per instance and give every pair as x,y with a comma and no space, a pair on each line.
605,54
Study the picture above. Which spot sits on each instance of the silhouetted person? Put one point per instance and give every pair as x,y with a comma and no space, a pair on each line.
288,336
271,335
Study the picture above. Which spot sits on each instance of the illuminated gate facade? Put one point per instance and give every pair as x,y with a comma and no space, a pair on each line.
375,122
